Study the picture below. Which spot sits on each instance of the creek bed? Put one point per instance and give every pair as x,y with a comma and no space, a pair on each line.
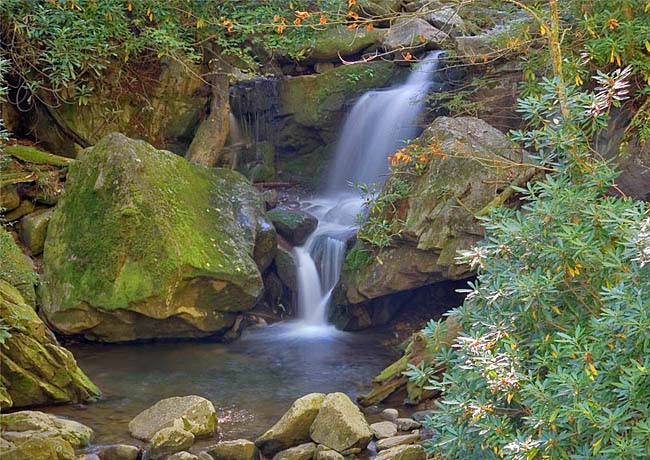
251,382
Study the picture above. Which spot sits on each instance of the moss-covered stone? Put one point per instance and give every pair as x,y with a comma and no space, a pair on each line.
9,199
16,268
35,155
34,369
33,229
335,42
294,226
147,245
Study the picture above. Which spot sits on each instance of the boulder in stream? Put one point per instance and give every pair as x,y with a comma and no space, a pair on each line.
293,427
293,226
146,245
196,414
24,425
340,425
383,430
169,441
239,449
301,452
403,452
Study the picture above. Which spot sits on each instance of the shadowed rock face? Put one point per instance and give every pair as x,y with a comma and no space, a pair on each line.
147,245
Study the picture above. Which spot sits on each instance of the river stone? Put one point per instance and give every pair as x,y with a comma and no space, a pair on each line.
287,268
398,440
446,19
408,452
34,368
25,207
407,424
183,455
9,199
30,423
422,415
195,413
293,427
240,449
146,245
204,456
33,229
389,414
325,453
293,226
383,430
119,452
301,452
169,441
340,424
413,33
40,448
89,457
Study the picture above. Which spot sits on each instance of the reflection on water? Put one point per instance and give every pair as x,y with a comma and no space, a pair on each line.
251,382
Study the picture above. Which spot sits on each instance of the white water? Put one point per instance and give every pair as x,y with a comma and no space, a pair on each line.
380,122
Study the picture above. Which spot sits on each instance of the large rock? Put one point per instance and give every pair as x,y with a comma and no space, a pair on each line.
169,441
302,452
403,452
413,33
240,449
33,230
446,19
35,369
294,226
147,245
334,43
378,8
16,268
196,414
39,448
474,164
293,428
340,425
9,198
394,441
20,426
384,429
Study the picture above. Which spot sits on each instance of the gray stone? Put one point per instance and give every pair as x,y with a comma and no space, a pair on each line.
183,455
407,424
119,452
89,457
293,427
325,453
293,226
302,452
447,20
168,441
340,425
422,415
39,447
389,414
413,33
408,452
384,429
196,414
205,456
33,229
240,449
398,440
9,199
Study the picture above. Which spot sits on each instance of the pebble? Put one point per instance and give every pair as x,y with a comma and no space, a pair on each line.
407,424
389,414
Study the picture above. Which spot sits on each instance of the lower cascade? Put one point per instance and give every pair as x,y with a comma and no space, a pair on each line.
380,122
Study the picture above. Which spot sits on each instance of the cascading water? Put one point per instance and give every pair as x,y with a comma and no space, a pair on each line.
379,123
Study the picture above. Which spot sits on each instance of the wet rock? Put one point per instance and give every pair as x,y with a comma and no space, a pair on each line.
336,42
146,245
302,452
19,426
340,425
413,33
408,452
169,441
407,424
23,209
40,448
293,428
422,415
325,453
89,457
183,455
17,268
33,229
389,414
9,199
119,452
286,267
383,430
398,441
240,449
194,413
294,226
204,456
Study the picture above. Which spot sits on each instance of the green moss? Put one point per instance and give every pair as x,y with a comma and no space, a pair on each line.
331,42
37,156
16,268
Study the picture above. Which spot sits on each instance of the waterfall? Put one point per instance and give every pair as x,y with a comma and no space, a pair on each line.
379,123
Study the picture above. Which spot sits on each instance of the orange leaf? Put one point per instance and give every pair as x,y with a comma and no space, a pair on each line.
408,56
422,38
276,18
352,26
302,14
370,27
323,19
297,22
351,3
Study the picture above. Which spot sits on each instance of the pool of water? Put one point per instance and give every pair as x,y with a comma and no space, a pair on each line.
251,382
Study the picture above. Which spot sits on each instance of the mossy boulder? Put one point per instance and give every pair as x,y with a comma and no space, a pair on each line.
334,43
413,33
294,226
146,245
9,198
340,425
477,163
16,268
35,369
34,155
33,229
28,424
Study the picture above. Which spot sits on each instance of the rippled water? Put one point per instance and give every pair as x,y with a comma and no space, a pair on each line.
251,382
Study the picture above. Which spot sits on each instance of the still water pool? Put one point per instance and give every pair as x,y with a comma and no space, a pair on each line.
251,382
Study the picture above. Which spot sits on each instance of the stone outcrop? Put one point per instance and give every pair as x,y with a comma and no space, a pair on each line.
147,245
192,413
475,166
